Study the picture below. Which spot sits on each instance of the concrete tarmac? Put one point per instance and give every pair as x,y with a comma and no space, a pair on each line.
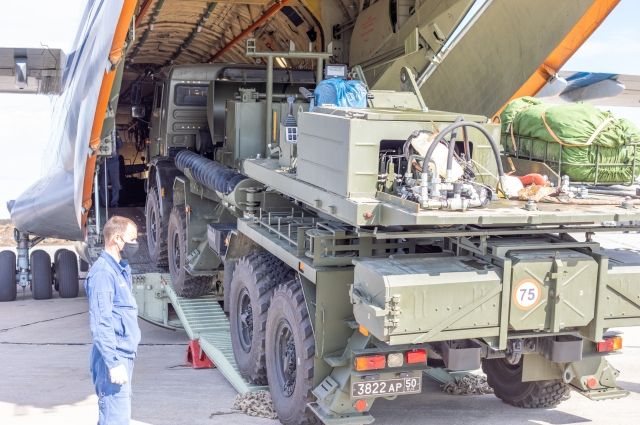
44,351
44,379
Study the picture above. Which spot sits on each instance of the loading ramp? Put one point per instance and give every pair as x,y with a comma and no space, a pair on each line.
202,319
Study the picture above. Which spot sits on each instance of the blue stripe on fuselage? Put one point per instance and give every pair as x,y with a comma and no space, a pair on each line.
583,79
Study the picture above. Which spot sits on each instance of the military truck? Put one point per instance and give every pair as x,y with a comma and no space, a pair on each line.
356,247
352,245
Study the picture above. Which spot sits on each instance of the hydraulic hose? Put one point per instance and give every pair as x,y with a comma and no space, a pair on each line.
452,146
463,124
210,174
467,150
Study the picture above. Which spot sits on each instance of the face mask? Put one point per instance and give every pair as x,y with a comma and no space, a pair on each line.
129,250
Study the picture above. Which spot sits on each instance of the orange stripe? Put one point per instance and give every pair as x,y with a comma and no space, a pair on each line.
143,12
117,45
275,8
589,22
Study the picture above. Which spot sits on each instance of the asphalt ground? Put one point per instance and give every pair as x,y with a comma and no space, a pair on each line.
44,379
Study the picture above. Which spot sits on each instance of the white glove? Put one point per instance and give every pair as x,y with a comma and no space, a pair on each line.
119,375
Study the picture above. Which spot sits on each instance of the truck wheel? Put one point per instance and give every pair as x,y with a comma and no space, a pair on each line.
8,288
182,283
41,281
506,381
66,273
254,278
156,230
290,350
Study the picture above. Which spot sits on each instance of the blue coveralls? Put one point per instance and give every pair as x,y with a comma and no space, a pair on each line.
114,324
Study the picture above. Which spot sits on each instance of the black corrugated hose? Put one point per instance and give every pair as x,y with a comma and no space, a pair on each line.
210,174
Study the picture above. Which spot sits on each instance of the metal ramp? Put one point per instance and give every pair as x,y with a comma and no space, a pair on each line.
204,320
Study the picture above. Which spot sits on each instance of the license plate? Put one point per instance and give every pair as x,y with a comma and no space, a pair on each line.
386,387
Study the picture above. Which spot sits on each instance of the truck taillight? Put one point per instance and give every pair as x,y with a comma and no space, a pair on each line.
416,356
375,362
613,343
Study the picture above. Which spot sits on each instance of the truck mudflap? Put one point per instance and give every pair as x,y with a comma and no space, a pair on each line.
594,378
591,375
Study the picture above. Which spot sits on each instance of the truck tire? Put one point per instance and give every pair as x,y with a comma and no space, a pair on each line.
66,273
8,285
41,279
254,278
156,226
290,350
506,381
183,284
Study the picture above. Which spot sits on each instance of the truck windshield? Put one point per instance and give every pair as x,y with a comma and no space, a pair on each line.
190,95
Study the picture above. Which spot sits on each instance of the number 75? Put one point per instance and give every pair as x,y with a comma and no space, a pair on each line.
529,293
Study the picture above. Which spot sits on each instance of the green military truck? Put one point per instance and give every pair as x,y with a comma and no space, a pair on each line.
352,248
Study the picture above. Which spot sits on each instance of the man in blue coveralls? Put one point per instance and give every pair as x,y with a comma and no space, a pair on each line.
114,323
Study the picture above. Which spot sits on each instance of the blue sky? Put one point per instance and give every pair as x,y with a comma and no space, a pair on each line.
615,46
25,119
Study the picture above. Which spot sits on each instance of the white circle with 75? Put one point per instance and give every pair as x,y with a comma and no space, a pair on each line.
527,294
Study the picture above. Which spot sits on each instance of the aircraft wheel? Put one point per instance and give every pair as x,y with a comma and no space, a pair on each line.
66,273
8,285
41,275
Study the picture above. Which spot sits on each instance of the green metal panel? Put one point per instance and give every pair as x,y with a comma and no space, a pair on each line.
505,46
620,301
148,290
382,52
319,194
339,151
421,297
199,211
180,124
244,132
552,290
332,312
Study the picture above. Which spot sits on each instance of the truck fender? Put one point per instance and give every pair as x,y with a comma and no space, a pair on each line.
162,174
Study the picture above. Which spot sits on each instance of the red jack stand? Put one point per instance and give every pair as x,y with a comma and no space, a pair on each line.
196,357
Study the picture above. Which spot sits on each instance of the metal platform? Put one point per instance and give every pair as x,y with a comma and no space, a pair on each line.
386,210
202,318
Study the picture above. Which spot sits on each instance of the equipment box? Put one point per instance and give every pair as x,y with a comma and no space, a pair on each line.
421,298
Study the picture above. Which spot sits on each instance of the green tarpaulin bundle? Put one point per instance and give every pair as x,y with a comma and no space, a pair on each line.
579,140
